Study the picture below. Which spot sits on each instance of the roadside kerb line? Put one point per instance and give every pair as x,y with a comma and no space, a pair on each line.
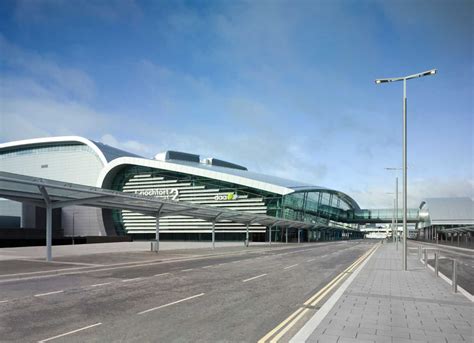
70,332
253,278
293,265
310,300
49,293
172,303
289,322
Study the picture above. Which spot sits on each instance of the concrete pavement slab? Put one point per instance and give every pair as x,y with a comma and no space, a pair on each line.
396,306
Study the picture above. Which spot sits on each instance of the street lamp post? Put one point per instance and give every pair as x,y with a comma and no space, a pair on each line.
404,149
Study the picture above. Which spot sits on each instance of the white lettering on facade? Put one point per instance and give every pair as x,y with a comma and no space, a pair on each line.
164,193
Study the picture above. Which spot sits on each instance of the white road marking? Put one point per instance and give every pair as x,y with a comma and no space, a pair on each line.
84,270
253,278
313,259
49,293
134,279
187,270
3,301
173,303
210,266
70,332
101,284
161,274
293,265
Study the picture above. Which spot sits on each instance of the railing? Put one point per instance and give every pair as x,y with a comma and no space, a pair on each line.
423,252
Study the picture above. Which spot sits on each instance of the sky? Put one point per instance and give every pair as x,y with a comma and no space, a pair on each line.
285,88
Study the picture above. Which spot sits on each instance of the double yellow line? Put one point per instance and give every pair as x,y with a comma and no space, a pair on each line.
281,329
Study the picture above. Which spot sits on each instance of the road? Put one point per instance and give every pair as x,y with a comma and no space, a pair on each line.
464,258
230,295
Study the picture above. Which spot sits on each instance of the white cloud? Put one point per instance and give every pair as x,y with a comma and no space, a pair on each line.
58,80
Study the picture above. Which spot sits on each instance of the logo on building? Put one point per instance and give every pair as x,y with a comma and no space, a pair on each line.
225,197
163,193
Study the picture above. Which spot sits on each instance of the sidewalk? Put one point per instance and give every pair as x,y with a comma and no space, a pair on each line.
386,304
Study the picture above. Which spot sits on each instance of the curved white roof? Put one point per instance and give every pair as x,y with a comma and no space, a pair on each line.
447,211
264,182
104,152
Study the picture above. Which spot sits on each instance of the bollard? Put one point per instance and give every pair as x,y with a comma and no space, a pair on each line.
436,256
425,258
419,252
454,278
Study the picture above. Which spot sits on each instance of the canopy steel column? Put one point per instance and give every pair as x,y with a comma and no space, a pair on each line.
247,236
214,231
299,234
157,229
270,234
49,223
49,232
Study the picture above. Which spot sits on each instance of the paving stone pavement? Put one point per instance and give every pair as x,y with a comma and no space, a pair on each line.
386,304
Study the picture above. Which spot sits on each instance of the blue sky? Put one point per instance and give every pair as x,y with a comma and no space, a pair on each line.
283,87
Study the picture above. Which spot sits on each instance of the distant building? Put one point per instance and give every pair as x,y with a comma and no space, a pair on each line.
172,175
446,219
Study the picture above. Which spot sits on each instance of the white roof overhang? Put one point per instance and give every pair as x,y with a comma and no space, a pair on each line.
189,169
60,139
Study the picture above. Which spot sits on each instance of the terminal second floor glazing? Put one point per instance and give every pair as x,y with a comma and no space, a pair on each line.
318,206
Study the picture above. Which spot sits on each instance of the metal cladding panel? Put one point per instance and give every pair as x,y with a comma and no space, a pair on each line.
450,210
174,189
65,160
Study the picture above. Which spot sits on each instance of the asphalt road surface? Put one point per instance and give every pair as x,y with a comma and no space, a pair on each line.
227,295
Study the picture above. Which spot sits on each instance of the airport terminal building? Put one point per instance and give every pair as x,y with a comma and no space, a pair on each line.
170,175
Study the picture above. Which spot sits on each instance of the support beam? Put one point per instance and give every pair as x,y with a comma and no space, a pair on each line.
270,234
45,194
247,235
157,229
49,232
65,203
214,230
49,223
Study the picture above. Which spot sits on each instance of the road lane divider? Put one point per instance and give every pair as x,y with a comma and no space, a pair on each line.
253,278
70,332
161,274
172,303
100,284
49,293
134,279
289,267
281,329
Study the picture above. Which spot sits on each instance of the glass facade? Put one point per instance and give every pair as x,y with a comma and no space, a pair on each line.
317,206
